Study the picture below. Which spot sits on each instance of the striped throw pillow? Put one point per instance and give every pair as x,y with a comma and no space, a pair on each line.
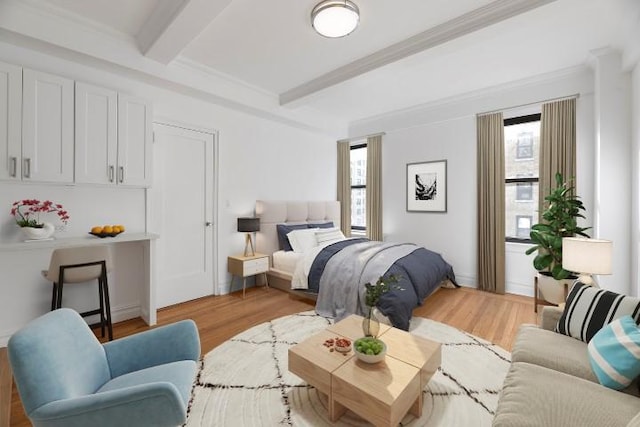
614,353
588,309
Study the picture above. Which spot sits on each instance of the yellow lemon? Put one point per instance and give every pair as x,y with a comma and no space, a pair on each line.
107,229
96,230
121,227
116,229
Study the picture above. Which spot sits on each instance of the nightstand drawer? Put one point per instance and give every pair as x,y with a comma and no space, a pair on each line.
255,266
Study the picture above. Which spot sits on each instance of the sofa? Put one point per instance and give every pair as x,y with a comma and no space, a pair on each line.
551,383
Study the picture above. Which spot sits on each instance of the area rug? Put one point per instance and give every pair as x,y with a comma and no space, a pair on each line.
245,381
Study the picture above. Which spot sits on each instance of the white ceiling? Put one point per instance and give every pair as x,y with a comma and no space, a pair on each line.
402,54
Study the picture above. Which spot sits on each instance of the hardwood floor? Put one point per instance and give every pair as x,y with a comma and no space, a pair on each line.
490,316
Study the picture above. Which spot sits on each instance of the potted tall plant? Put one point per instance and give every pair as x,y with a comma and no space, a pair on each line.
559,219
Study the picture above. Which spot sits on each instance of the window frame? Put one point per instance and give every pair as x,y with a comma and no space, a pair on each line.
516,121
357,186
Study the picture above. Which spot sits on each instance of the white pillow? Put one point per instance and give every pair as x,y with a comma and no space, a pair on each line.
303,240
329,235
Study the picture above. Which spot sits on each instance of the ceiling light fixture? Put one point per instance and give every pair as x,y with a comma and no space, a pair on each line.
335,18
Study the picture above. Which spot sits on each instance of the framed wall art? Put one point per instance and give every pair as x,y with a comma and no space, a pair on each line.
427,186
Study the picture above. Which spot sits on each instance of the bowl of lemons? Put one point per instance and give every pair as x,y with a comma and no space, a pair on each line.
370,350
106,230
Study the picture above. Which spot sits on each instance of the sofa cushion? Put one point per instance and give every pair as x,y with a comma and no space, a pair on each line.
537,396
557,352
614,353
589,309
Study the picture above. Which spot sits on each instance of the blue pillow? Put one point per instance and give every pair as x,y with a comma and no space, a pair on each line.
283,230
321,225
614,353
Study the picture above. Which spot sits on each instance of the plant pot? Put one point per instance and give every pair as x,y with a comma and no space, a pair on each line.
33,233
552,290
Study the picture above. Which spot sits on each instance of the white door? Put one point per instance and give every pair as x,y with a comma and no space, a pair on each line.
182,213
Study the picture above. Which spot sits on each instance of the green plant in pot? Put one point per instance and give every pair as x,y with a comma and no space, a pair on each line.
558,220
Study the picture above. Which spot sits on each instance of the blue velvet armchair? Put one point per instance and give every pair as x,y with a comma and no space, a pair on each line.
65,377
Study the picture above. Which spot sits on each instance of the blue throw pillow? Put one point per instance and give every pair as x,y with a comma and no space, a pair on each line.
614,353
321,225
283,230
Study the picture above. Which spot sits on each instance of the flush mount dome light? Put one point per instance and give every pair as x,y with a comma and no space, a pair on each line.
335,18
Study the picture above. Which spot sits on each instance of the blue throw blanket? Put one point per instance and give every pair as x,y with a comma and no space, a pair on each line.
339,272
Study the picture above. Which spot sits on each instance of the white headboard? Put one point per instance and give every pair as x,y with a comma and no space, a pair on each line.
272,212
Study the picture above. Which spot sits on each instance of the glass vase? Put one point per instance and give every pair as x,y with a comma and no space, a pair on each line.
370,324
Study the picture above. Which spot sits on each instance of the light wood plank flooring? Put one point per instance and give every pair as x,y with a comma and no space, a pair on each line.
490,316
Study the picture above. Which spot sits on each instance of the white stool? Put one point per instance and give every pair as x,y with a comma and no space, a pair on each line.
82,264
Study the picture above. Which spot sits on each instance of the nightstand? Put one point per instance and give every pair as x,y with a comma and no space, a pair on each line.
245,266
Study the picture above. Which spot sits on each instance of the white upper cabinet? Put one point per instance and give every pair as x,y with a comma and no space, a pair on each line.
47,127
10,122
96,134
134,141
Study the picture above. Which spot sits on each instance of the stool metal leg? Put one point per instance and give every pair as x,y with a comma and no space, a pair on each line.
107,302
101,298
54,293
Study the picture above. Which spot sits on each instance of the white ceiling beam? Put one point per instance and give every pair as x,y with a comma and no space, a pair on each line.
174,24
475,20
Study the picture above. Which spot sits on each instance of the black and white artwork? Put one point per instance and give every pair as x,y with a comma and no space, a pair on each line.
427,186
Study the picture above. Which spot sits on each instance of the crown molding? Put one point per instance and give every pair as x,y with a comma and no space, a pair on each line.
470,22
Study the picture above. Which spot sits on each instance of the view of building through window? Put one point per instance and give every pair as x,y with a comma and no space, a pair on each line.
522,159
358,187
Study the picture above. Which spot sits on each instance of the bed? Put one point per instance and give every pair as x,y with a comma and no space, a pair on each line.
325,265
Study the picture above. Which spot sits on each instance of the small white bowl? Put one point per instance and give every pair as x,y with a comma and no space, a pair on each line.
368,358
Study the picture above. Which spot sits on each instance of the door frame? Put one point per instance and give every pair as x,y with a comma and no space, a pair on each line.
216,170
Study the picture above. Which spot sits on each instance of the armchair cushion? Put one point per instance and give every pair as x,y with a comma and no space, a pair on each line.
180,374
166,344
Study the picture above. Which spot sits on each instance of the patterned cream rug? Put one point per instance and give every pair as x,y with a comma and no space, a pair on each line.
245,381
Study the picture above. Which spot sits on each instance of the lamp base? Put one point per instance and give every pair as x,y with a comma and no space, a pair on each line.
588,279
248,243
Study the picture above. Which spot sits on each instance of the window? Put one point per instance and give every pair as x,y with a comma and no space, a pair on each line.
523,225
522,160
358,187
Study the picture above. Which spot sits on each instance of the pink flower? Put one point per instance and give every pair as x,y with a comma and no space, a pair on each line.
30,217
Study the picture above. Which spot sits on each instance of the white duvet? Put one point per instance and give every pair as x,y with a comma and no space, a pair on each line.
300,279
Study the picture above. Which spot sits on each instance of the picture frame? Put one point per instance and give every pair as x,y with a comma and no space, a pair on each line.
427,186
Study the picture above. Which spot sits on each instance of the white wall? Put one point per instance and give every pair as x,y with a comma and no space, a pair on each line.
258,159
446,130
635,180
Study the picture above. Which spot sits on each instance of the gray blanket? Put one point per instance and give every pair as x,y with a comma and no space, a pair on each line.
355,265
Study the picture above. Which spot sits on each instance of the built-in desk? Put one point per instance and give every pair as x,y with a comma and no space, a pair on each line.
23,291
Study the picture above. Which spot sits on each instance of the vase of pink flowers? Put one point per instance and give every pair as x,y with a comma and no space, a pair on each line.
27,215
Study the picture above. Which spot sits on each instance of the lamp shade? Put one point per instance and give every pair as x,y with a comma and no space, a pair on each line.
591,256
335,18
248,225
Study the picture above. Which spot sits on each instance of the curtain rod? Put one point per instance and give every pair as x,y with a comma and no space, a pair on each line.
361,137
574,96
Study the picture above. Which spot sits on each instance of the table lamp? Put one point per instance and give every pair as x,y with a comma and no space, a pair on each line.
248,225
586,257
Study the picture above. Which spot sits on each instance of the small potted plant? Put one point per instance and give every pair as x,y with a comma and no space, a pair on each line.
558,220
27,215
371,325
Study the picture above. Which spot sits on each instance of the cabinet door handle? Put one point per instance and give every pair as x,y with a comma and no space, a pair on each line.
27,168
121,169
13,166
111,173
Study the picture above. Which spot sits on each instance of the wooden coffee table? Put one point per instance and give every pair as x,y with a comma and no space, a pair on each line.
382,393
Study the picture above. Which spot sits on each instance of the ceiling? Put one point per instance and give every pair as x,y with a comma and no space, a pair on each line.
403,54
